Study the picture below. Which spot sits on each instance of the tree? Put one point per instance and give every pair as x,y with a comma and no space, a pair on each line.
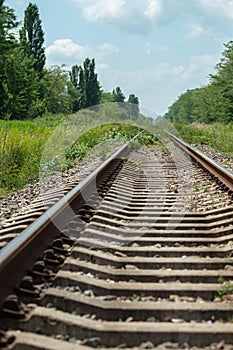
223,82
32,37
76,87
57,90
90,86
134,105
86,82
7,42
23,86
106,97
118,95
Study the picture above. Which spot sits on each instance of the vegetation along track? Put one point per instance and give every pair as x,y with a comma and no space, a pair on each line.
143,259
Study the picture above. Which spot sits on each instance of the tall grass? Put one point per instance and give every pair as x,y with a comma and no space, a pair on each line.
20,152
219,136
103,133
22,144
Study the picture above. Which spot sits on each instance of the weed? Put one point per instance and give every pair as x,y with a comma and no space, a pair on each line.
226,288
22,144
217,135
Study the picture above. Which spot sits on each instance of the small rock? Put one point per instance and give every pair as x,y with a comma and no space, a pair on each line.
131,267
174,297
227,297
129,319
157,245
169,345
151,319
89,293
107,297
147,345
49,305
221,345
59,337
200,300
177,320
188,299
92,342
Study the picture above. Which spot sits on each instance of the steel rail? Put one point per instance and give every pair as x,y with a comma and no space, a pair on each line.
34,240
217,170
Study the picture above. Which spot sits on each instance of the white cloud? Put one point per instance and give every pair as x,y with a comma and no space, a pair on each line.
132,15
107,48
196,31
149,48
223,8
102,67
200,66
153,10
69,52
101,9
142,16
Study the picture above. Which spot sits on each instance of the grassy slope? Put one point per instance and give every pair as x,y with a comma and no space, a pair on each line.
22,144
219,136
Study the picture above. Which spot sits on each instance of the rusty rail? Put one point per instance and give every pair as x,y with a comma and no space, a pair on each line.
218,171
15,257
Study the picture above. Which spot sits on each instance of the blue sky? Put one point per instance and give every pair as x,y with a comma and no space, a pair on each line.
156,49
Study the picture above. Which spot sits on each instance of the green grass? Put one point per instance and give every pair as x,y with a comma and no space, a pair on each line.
218,136
22,144
20,152
104,133
226,288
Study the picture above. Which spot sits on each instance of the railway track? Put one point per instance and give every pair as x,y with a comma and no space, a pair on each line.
138,255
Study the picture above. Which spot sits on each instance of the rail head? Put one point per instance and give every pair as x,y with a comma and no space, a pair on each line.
216,169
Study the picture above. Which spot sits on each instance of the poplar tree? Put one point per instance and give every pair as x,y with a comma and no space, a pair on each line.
32,37
118,95
90,84
85,80
134,105
76,87
7,42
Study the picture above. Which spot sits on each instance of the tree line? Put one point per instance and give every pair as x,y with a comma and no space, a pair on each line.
28,88
210,103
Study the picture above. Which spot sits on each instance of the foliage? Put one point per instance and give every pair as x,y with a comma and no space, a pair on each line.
133,105
7,42
19,84
118,95
104,133
27,88
32,37
106,97
23,86
20,151
87,86
56,90
226,289
216,135
22,144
